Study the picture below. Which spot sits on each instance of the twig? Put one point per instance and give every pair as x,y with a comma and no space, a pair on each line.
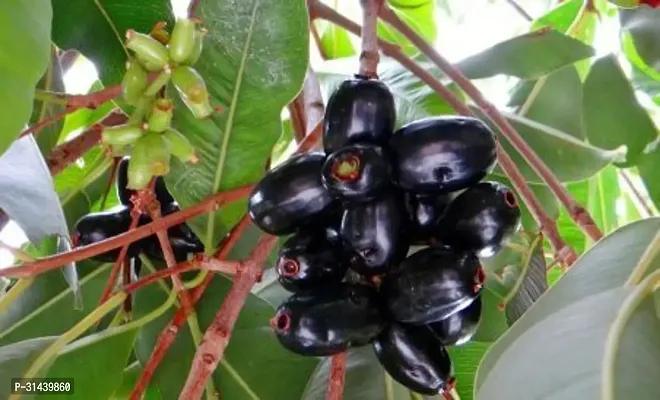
369,56
34,129
636,194
81,253
307,109
298,120
317,40
212,349
547,225
337,377
168,334
577,212
520,10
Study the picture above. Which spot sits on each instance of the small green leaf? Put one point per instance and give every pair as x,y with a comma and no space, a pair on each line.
603,195
22,63
95,363
419,16
336,42
74,20
16,358
253,77
365,379
53,80
605,266
529,56
643,23
561,17
612,115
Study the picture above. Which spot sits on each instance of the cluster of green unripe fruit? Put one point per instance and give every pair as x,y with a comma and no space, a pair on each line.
148,136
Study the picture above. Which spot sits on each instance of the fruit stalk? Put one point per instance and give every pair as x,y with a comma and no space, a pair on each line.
168,334
369,56
577,212
520,10
307,108
547,225
48,263
212,349
337,377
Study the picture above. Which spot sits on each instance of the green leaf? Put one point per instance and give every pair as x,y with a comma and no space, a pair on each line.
25,50
605,266
648,171
567,349
16,358
612,115
419,16
466,359
336,42
643,23
95,363
129,379
643,77
53,81
365,379
46,307
568,230
74,20
603,195
561,17
493,319
531,282
529,56
253,77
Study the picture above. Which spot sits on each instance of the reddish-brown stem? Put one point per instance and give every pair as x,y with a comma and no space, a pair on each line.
34,129
307,109
577,212
215,340
121,258
66,153
92,100
192,9
312,139
168,334
81,253
298,121
369,56
317,40
638,196
337,377
546,224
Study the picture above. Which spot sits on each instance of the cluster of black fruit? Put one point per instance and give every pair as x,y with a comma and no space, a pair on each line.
98,226
356,210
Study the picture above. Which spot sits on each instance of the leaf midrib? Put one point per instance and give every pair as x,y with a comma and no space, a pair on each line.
210,225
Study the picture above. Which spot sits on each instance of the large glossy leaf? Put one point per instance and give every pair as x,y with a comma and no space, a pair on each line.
643,23
365,379
23,62
46,307
252,76
74,20
95,363
17,358
567,350
606,266
52,80
419,16
528,56
612,115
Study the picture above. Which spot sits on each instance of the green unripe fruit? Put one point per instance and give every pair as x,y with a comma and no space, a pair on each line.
121,135
161,115
149,51
182,42
200,34
134,83
161,80
150,157
180,146
192,90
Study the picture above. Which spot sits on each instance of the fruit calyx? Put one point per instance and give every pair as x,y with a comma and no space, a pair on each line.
510,199
347,168
479,279
289,268
281,322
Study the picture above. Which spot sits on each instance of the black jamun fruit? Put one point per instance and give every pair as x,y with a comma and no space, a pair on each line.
360,110
424,212
181,237
95,227
413,356
373,235
329,320
481,219
357,173
124,193
442,154
459,328
309,260
432,284
291,196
